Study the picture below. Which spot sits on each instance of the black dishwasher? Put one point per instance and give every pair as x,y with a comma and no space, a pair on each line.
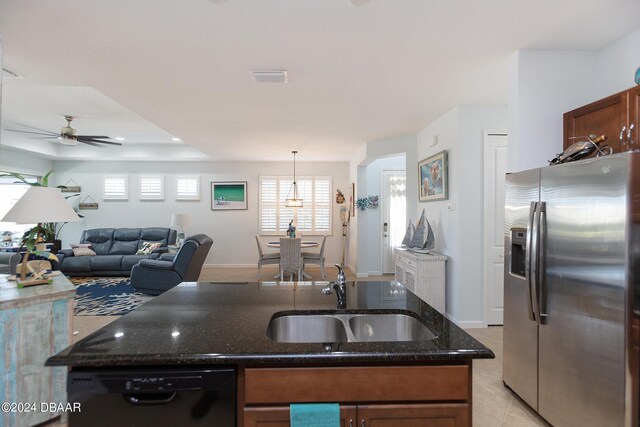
153,397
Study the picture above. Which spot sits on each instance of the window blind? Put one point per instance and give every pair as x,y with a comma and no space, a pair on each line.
116,187
314,217
188,187
151,187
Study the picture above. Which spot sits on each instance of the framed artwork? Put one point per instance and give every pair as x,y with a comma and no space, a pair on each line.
228,195
432,177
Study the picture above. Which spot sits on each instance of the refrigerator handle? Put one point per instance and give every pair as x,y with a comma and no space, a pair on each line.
527,258
542,257
535,261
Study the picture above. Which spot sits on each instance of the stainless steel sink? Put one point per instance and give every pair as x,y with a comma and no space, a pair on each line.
331,328
306,329
389,327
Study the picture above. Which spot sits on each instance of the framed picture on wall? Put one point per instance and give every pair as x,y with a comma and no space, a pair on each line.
228,195
432,177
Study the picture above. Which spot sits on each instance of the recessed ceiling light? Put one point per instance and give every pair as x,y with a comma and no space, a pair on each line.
358,2
119,138
176,139
271,76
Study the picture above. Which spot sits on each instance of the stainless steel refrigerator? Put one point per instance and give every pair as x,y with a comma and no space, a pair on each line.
572,246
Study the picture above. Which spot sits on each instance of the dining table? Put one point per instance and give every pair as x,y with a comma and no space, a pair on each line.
305,244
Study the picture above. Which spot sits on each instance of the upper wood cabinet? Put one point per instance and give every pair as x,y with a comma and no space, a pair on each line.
615,116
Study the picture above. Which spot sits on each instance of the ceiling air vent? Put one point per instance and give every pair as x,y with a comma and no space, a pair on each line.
273,76
8,74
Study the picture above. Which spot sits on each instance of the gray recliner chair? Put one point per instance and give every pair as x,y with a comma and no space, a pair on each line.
157,276
8,262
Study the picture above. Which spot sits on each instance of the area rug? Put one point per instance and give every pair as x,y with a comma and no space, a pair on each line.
106,296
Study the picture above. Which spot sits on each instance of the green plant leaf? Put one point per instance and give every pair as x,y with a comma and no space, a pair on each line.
45,179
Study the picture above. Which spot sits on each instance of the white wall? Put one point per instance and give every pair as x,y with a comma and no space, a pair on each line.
23,162
543,85
232,231
616,65
458,221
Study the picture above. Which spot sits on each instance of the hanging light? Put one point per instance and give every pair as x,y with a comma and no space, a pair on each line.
295,201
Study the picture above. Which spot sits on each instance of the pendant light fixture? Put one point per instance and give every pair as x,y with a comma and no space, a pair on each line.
293,200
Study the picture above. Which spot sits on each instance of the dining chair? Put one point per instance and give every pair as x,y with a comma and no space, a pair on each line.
291,257
265,259
315,257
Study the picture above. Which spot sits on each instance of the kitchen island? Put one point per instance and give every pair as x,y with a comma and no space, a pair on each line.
225,325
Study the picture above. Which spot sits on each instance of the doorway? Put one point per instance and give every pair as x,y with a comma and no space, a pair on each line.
394,215
495,168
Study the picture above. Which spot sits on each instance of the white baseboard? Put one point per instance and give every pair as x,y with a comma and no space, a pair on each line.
230,266
362,274
466,324
375,273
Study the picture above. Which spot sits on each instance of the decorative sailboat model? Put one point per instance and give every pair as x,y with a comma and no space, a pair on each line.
423,239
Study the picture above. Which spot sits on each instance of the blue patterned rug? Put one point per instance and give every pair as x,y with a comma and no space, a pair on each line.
106,296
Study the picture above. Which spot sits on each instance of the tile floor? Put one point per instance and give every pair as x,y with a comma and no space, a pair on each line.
493,404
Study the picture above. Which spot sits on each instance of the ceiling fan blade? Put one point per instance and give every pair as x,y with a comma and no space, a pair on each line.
92,136
36,133
98,141
33,127
90,143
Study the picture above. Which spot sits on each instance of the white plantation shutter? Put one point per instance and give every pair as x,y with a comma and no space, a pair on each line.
116,187
269,204
314,217
322,204
151,187
188,187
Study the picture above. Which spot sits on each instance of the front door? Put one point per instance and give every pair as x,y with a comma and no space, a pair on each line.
394,215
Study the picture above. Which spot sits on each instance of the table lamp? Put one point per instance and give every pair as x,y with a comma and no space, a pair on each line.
38,205
178,221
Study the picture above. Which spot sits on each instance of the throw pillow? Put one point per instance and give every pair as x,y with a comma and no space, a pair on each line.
83,249
147,247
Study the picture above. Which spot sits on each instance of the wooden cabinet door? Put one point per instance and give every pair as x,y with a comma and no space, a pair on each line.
634,117
278,416
604,117
419,415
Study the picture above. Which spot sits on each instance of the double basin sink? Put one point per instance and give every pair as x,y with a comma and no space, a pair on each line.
332,328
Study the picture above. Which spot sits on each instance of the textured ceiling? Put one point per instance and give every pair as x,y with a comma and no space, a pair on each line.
356,74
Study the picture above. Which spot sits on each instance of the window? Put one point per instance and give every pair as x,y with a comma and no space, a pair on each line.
11,192
314,217
151,187
188,187
116,187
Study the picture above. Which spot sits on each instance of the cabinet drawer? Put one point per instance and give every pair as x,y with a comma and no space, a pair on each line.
357,384
278,416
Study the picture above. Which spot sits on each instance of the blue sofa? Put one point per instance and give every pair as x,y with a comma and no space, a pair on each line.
115,250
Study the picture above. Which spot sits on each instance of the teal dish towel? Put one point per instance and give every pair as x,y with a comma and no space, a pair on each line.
314,415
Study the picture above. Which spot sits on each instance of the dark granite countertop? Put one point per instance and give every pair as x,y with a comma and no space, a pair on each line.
226,323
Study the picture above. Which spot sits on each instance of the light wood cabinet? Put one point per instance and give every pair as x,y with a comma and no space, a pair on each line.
369,396
615,116
422,274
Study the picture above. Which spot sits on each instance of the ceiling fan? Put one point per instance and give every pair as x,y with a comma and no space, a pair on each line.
68,135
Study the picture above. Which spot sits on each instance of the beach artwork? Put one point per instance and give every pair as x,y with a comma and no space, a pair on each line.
227,196
432,177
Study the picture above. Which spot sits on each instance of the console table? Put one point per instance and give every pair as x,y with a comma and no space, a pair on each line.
422,274
36,324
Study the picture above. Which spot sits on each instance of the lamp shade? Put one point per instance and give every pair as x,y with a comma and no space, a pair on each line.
180,220
41,204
